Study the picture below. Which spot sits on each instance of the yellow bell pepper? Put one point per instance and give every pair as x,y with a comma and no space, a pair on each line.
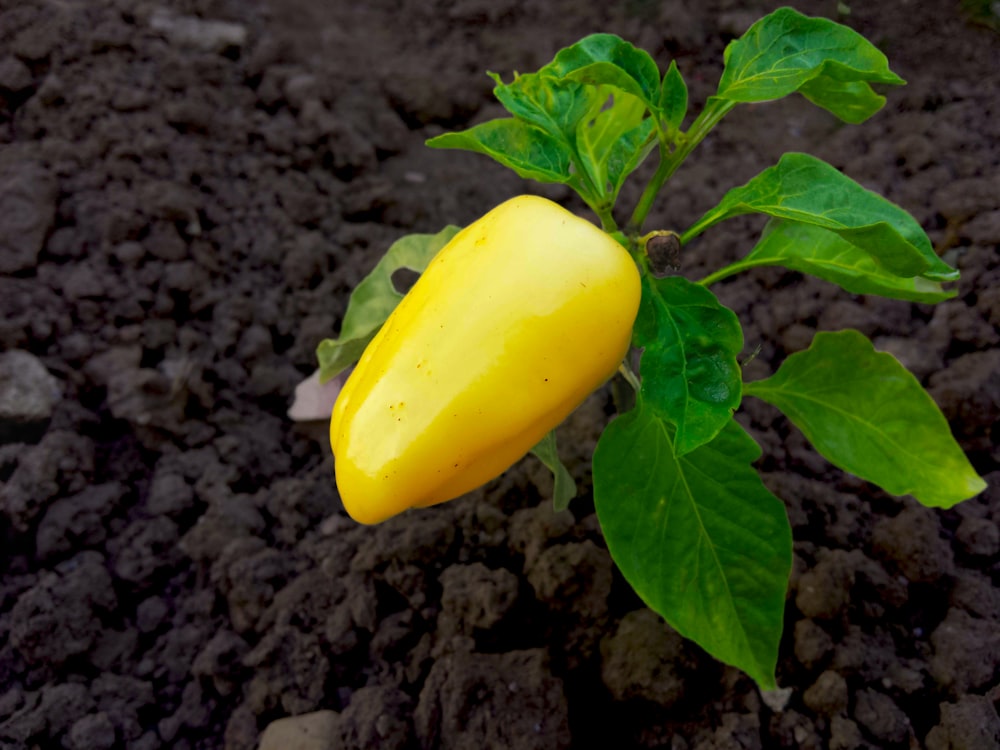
513,323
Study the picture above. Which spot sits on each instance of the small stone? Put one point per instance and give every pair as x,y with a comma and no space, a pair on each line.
968,724
984,229
965,651
169,494
912,541
198,33
27,210
828,695
844,734
314,731
83,283
644,658
879,714
14,75
129,253
301,88
777,699
28,394
964,198
812,643
979,536
150,614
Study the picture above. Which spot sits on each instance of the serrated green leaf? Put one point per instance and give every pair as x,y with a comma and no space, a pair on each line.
690,375
867,414
555,107
607,59
699,538
534,155
616,141
822,253
805,189
786,50
620,114
563,486
375,298
673,103
627,153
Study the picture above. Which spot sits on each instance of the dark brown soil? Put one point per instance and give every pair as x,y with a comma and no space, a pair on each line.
183,211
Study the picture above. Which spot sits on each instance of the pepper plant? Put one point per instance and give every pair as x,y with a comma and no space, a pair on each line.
685,515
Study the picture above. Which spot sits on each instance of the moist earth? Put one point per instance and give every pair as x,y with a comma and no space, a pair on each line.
189,190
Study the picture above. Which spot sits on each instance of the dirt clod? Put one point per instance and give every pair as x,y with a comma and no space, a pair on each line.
190,189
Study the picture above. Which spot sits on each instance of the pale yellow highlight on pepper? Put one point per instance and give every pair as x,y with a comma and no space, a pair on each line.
513,323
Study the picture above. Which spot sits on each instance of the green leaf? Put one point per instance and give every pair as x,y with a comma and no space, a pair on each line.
375,298
598,135
627,153
616,141
564,488
805,189
533,154
699,538
690,375
673,103
865,413
554,106
606,59
851,101
786,51
820,252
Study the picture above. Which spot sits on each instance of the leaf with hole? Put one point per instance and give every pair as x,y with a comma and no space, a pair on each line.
375,298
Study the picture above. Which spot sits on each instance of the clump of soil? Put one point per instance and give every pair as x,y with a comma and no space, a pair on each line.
189,189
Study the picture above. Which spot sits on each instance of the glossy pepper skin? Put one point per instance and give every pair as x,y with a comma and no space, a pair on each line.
513,323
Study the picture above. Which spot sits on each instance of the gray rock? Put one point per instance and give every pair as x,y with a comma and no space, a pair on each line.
644,659
313,731
377,717
60,617
844,734
966,649
475,597
969,724
14,75
979,537
197,33
812,643
828,695
912,541
146,547
879,714
28,394
27,210
78,521
92,732
465,693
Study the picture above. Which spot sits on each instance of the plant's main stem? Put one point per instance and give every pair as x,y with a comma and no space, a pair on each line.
715,110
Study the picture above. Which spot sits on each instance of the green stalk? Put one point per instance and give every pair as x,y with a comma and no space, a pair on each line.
715,110
731,270
630,377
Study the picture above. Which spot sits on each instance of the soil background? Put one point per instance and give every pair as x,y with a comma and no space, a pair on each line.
189,190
